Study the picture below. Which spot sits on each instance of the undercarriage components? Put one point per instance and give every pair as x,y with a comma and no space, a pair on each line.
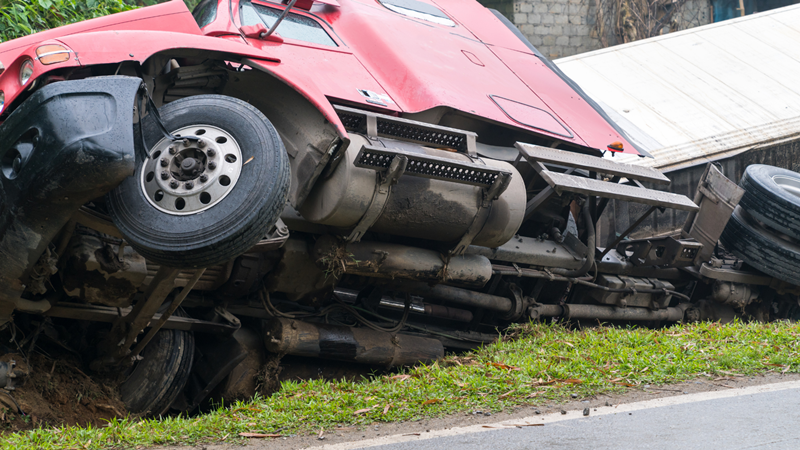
716,196
361,345
426,208
230,165
216,359
428,309
762,248
734,294
297,274
592,312
385,260
126,329
708,310
635,296
527,250
67,144
454,295
242,382
663,251
101,272
159,377
590,244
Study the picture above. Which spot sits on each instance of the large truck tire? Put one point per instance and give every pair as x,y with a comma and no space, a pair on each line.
761,248
195,204
772,196
156,381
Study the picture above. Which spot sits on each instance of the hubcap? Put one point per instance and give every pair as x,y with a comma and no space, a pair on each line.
188,176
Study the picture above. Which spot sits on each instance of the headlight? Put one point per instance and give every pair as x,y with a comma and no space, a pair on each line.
25,72
2,68
2,100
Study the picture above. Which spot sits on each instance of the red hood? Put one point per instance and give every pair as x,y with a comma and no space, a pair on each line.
478,66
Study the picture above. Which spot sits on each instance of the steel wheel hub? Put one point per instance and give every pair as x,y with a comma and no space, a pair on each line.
788,184
189,176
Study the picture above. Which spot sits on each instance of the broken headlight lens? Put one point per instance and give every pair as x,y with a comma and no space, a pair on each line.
25,72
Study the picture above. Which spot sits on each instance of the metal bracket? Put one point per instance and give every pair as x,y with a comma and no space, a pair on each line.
489,195
538,156
381,125
385,181
126,328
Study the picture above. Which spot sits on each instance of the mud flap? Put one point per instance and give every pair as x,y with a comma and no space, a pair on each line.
67,144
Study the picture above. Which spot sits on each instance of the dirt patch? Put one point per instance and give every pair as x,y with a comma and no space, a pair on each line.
57,392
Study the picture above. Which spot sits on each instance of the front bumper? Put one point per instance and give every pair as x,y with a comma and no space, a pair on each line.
67,144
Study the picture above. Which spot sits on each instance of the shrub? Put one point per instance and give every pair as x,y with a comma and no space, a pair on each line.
22,17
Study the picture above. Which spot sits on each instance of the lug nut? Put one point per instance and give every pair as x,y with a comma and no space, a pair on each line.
165,175
212,165
188,185
203,178
164,162
172,150
202,144
211,152
174,184
186,142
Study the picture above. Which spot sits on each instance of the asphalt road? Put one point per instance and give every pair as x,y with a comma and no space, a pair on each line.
758,417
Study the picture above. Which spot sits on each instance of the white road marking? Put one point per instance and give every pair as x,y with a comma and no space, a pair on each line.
570,415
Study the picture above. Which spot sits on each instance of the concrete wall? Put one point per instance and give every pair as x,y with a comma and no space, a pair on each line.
560,28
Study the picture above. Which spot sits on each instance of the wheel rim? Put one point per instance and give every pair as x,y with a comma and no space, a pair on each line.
190,176
788,184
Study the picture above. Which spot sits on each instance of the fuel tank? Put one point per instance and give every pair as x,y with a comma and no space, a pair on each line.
416,207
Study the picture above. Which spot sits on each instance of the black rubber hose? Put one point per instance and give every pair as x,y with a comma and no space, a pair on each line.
590,241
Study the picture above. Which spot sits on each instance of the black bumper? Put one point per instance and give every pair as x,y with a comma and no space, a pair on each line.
67,144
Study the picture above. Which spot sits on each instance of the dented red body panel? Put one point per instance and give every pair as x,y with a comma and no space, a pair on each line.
477,66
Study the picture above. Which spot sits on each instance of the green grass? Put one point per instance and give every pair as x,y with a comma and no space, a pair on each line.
539,364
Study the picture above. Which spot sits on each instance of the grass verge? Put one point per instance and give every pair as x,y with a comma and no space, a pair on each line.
533,364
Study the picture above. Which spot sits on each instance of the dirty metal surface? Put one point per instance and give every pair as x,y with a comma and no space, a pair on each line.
108,314
427,166
587,186
548,155
717,196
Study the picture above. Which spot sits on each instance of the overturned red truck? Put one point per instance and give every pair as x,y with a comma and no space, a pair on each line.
371,181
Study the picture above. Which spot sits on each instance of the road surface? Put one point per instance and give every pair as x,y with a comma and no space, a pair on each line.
756,417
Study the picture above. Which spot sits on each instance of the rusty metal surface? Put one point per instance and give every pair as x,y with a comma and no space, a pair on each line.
108,314
366,346
597,312
457,296
387,260
97,272
637,298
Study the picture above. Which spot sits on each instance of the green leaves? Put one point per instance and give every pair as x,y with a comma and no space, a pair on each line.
22,17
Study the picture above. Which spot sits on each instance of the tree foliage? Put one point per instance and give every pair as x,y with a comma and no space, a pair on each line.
22,17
